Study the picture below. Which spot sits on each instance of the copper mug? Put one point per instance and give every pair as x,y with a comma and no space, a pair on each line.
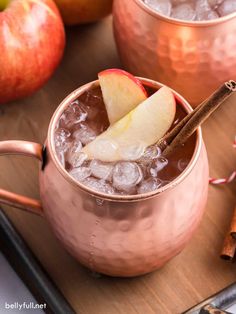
193,58
114,234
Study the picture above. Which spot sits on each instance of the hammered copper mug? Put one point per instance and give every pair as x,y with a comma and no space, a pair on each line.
114,234
192,57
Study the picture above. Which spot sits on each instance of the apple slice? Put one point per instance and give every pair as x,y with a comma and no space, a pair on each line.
121,92
140,128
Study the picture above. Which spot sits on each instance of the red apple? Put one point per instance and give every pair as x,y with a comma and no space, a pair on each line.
32,41
121,92
83,11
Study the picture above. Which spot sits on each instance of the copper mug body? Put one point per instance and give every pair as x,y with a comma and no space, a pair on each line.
114,234
193,58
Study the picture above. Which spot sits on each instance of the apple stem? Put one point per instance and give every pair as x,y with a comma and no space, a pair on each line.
4,4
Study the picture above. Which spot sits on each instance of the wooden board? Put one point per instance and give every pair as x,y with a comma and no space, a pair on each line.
190,277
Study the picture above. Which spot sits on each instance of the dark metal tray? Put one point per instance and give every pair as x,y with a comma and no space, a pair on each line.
216,304
29,269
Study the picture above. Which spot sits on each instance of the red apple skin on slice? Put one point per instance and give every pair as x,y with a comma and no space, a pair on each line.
144,125
32,41
121,91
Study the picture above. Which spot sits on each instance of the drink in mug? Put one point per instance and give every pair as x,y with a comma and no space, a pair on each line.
95,153
92,203
193,10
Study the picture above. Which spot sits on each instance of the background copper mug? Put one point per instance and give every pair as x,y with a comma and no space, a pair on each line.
115,234
193,58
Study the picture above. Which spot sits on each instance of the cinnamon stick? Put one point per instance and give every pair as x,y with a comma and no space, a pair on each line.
192,121
229,247
168,138
233,225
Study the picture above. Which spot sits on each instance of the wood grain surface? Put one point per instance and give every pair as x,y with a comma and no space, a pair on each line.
190,277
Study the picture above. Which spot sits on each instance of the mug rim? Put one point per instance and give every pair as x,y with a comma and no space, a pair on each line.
163,17
113,197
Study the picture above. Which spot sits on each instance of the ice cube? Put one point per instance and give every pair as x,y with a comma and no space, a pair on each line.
73,155
151,153
183,11
204,11
75,113
61,157
207,15
75,147
158,165
149,185
99,185
214,3
126,175
101,170
132,152
162,6
145,162
80,173
61,139
84,134
227,7
77,159
201,4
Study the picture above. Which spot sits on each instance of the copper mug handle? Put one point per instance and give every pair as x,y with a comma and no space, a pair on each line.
27,149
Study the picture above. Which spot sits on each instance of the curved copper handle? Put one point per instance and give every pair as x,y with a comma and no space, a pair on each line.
28,149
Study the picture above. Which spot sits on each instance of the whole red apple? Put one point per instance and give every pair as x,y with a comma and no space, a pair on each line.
32,41
83,11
